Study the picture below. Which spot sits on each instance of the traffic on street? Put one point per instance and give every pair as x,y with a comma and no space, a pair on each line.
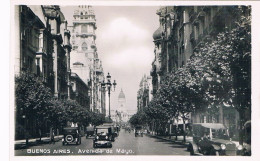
125,144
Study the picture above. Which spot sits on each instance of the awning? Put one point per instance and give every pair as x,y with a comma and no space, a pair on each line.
210,125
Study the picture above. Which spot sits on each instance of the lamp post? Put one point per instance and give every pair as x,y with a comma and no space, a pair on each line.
108,85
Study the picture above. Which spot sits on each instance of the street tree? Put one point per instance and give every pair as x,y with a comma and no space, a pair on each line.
32,100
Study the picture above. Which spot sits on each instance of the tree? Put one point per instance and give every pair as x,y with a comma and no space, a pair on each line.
224,68
32,100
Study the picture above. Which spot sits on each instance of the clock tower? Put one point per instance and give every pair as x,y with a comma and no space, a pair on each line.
84,58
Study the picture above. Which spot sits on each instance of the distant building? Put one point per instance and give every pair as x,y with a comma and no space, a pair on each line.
120,114
144,94
84,57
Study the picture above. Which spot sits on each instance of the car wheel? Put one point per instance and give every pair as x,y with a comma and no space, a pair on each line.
94,146
188,147
191,151
213,152
110,146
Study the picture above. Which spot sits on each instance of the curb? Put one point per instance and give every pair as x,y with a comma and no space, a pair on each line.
171,140
21,144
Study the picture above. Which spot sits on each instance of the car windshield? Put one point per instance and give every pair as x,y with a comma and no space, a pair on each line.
70,130
210,132
102,131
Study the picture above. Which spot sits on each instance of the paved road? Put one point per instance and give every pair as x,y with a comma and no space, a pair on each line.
125,144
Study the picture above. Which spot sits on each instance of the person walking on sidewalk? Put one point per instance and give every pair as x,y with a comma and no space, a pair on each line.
52,136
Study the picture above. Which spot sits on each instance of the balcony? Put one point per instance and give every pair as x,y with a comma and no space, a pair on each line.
99,70
85,35
93,21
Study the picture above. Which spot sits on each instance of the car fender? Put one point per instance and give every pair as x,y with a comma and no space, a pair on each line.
194,146
216,147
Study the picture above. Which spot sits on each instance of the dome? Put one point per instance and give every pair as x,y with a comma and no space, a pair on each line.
158,33
121,94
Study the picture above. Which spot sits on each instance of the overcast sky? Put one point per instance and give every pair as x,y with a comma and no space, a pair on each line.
125,45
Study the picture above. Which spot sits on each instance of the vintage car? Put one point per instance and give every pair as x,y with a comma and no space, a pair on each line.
211,139
113,129
245,149
103,137
138,131
90,131
71,135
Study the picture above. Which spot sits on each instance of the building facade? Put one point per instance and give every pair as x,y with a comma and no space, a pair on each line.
79,90
84,57
42,48
144,94
182,30
121,113
61,49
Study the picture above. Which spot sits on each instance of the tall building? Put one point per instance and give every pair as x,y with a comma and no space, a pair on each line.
182,30
144,94
84,57
61,49
42,48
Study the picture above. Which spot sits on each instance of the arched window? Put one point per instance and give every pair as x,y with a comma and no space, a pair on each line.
84,46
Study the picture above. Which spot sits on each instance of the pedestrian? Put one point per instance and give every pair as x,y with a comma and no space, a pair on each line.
52,136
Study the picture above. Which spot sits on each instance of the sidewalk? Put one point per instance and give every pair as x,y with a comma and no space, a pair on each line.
172,139
21,144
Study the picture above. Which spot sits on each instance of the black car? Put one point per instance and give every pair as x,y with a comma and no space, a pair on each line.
90,131
138,131
245,149
113,130
211,139
103,137
71,135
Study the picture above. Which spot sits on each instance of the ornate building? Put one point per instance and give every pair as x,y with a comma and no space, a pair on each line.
84,57
79,90
43,48
182,30
120,114
144,93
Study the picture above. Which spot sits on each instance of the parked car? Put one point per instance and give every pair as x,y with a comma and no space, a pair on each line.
138,131
211,139
113,129
103,137
71,135
245,149
90,131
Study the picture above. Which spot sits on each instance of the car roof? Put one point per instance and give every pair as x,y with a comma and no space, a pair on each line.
102,127
210,125
71,128
108,124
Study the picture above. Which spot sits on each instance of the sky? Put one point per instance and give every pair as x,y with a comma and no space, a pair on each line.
124,45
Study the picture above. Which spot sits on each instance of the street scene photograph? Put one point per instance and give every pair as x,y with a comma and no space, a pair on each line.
132,80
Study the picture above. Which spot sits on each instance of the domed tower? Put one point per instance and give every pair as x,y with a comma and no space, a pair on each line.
121,101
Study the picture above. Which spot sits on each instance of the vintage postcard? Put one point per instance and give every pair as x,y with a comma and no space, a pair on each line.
93,79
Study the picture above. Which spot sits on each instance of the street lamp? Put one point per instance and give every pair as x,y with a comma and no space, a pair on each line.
108,84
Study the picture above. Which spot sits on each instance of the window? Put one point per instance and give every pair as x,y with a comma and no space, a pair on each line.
38,70
84,46
84,28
